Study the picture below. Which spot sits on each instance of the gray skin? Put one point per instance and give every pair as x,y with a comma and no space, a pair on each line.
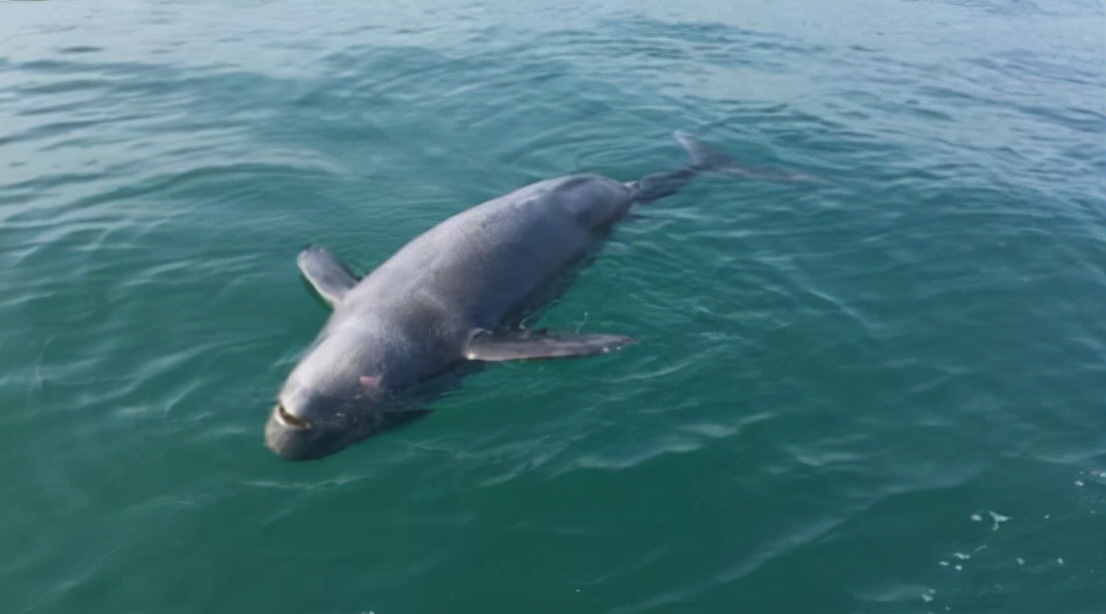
446,298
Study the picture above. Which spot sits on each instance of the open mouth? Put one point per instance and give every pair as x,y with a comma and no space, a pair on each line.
288,420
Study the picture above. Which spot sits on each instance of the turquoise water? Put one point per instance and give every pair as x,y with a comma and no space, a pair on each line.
885,393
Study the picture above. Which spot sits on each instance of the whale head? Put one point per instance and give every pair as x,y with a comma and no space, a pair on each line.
336,395
308,422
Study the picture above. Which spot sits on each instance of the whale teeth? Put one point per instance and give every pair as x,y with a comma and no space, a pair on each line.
287,419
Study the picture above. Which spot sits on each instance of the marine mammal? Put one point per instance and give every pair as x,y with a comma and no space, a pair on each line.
448,296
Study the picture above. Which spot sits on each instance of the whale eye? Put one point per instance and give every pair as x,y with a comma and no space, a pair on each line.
287,419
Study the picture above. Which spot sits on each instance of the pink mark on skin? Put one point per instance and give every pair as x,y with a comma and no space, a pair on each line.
371,385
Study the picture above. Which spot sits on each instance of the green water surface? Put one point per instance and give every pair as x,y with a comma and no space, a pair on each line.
884,393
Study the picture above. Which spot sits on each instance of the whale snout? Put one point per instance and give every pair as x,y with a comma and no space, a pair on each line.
288,419
307,425
294,438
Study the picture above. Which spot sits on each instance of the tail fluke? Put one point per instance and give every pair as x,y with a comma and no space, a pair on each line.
702,158
705,157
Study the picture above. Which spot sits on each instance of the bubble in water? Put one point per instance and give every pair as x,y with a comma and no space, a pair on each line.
998,518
